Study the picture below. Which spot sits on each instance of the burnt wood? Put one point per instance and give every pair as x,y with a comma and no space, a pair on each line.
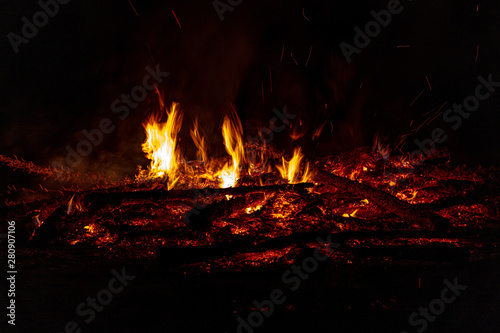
419,216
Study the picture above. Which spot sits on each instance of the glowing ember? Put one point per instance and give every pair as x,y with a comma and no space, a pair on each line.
353,214
90,228
408,195
250,210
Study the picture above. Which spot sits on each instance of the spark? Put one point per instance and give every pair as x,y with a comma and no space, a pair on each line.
150,54
442,106
477,52
310,51
270,78
402,140
429,119
428,83
131,5
419,127
176,19
291,54
304,14
417,97
438,113
401,46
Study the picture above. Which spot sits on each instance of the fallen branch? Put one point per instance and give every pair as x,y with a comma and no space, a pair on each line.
107,197
421,217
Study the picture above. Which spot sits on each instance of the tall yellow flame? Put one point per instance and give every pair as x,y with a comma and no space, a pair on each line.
291,169
232,131
161,144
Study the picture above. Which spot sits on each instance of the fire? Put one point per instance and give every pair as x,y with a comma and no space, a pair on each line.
317,132
250,210
161,144
298,131
162,148
380,148
353,214
232,131
199,141
291,169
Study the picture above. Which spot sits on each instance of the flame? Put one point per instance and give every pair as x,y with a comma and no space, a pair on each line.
70,205
383,150
318,131
162,148
298,131
232,131
161,144
199,141
291,169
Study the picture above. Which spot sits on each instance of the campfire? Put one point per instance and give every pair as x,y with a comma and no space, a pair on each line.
258,207
250,167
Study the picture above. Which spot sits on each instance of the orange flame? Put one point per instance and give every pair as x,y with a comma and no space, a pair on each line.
161,144
298,131
232,131
291,169
317,132
199,141
162,148
380,148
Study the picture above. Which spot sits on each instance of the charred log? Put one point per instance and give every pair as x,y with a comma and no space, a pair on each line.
116,196
404,210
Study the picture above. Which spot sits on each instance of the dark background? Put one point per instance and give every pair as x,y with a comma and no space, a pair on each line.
64,80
